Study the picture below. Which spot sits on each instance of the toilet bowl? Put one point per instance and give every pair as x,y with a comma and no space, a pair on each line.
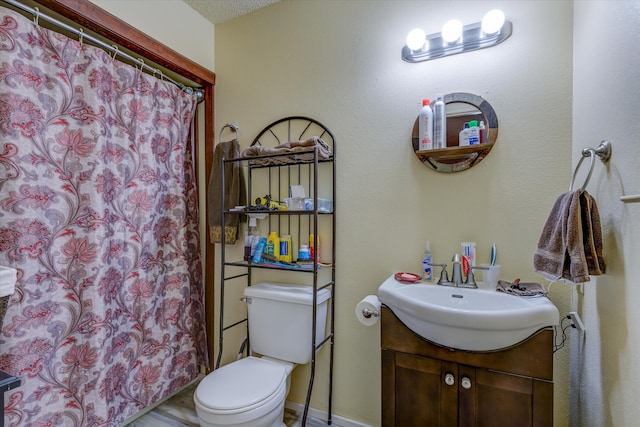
250,392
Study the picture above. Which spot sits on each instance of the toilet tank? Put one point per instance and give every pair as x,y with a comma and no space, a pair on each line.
280,320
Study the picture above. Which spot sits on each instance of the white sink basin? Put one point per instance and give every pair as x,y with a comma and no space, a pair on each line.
467,319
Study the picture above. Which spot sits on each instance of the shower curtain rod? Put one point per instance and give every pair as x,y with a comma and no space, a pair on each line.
199,93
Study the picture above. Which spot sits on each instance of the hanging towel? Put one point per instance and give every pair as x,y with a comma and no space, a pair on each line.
592,234
235,193
571,234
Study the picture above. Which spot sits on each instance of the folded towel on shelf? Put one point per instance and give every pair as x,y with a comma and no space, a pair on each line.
235,193
299,151
571,234
522,289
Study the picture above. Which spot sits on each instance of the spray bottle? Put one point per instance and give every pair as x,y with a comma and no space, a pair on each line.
439,123
425,126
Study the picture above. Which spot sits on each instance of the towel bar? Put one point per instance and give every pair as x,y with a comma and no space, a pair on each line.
631,199
603,151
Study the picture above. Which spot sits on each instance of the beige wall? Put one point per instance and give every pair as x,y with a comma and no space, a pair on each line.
339,62
604,361
172,22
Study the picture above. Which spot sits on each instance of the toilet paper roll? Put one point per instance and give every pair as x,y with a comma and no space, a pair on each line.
371,303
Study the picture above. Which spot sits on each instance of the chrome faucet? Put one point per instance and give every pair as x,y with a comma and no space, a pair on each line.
457,278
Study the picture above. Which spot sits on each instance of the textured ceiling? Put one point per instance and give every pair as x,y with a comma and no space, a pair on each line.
218,11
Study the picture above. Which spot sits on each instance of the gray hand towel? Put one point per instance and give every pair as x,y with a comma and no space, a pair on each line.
570,246
549,258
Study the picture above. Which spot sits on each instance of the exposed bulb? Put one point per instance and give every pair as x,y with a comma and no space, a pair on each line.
417,39
492,21
452,31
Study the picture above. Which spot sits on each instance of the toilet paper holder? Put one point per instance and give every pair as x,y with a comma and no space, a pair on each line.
367,313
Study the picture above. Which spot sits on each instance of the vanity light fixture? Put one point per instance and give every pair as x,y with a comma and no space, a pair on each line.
456,38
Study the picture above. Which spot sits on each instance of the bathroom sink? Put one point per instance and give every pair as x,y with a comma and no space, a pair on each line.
467,319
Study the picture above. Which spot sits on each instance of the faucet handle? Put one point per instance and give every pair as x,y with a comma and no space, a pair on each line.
444,276
471,278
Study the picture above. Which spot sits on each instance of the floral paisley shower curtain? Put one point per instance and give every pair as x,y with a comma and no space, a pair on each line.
98,213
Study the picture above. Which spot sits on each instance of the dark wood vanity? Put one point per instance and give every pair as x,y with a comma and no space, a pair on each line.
424,384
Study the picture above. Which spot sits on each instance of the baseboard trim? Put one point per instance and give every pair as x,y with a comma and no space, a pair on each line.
322,415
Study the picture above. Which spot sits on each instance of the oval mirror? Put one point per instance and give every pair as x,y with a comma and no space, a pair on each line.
461,108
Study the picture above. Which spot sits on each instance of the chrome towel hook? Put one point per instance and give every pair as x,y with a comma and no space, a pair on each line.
603,151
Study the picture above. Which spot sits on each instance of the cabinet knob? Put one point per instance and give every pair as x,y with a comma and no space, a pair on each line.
466,383
449,379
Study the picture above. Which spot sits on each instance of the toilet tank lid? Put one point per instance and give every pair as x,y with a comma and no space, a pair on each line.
287,292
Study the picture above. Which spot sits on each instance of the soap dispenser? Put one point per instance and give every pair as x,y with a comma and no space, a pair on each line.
426,269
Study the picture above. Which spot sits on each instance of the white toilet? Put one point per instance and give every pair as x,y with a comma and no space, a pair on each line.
251,392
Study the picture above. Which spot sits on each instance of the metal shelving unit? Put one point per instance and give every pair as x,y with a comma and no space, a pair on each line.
272,172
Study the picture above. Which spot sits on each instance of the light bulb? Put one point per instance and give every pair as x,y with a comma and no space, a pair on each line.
416,39
492,21
452,31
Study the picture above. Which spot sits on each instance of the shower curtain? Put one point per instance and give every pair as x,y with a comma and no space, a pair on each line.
98,213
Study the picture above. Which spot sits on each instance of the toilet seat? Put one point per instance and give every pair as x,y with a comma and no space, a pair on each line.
243,386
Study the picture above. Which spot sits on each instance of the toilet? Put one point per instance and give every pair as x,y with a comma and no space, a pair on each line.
251,392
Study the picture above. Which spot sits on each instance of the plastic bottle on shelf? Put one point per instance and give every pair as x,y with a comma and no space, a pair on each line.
303,253
425,126
483,132
426,269
260,247
474,133
285,248
464,135
314,249
273,244
439,123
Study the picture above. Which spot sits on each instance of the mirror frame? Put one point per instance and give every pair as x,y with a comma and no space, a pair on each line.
455,158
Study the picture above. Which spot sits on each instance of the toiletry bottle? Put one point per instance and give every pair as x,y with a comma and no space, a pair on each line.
303,253
483,133
463,139
439,123
285,248
247,245
425,126
474,133
273,244
427,271
260,247
314,248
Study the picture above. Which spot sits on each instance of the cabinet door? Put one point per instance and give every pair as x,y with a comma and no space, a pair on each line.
422,395
495,399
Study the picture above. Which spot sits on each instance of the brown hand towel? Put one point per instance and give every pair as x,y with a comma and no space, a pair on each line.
575,265
235,192
549,258
570,246
592,234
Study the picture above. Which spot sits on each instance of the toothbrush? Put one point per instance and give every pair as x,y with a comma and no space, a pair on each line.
493,254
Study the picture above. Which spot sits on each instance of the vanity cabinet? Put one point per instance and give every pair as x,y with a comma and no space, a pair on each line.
424,384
